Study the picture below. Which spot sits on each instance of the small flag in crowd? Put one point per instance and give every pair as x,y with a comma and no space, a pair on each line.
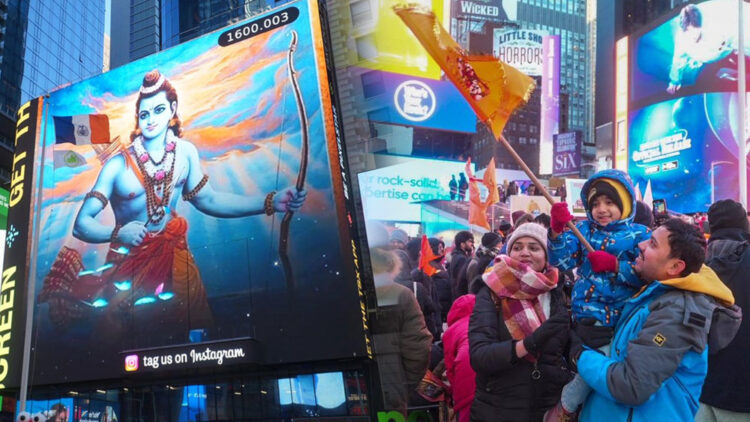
490,182
83,129
426,256
492,88
477,207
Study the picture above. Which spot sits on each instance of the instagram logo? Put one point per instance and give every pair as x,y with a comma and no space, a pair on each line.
131,363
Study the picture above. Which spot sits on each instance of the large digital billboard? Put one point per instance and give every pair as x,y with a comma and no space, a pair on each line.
520,48
687,148
694,51
175,202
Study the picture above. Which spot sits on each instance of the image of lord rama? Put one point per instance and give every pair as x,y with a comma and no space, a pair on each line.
148,262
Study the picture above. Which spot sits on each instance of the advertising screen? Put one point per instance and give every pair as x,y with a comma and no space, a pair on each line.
567,153
422,102
694,51
178,196
687,149
394,193
520,48
550,101
485,10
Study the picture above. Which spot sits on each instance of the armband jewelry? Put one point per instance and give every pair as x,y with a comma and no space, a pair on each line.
268,204
190,195
115,232
99,196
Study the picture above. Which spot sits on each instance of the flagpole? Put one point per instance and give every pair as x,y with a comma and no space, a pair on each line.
541,188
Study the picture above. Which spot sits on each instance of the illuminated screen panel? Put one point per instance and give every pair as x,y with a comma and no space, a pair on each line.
169,235
550,101
621,104
694,51
687,149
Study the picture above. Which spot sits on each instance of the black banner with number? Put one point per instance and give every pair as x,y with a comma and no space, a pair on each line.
15,270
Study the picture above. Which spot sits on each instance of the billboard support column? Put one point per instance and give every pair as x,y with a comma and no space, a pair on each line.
741,96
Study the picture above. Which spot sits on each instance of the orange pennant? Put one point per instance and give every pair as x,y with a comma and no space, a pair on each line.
493,89
426,256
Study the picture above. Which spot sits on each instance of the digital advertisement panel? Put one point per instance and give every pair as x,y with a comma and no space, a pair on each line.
485,10
520,48
687,148
178,195
567,153
422,102
694,51
550,101
394,193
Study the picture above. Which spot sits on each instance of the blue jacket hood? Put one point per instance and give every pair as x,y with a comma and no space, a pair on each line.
621,177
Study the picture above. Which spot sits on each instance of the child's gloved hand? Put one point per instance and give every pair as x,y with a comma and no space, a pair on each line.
602,261
559,217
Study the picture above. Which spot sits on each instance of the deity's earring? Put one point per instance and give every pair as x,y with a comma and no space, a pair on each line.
172,121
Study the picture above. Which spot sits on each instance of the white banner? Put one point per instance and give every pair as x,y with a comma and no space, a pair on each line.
519,48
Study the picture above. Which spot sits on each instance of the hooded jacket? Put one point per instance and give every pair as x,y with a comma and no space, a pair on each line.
659,354
727,384
456,355
601,295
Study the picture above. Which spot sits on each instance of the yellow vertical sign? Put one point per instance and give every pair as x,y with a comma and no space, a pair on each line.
385,43
622,78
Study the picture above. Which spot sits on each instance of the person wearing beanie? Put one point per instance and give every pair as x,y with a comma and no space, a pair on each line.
399,239
726,392
518,333
606,276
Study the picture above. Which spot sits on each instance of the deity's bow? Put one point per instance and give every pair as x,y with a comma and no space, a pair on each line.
284,229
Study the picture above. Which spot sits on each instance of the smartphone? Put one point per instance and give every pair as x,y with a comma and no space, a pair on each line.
660,208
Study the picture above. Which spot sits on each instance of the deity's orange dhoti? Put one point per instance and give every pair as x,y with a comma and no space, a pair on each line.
161,264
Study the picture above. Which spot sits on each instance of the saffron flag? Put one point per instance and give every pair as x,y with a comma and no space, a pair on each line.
426,256
493,88
477,207
490,181
83,129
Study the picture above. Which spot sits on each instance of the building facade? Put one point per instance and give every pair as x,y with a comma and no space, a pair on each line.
45,44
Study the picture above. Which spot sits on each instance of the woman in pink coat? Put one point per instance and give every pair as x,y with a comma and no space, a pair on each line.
456,348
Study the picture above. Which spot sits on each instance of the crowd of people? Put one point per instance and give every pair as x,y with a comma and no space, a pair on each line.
639,319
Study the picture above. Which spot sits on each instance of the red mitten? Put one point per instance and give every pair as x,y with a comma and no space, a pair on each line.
602,261
559,217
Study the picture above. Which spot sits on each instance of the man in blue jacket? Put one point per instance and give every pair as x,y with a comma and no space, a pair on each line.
659,354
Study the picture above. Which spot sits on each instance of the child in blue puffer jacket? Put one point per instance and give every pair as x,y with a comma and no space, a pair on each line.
606,278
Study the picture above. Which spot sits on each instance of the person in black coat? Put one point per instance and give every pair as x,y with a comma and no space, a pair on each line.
518,358
441,280
726,391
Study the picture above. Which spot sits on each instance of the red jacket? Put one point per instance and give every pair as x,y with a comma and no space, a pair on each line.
456,348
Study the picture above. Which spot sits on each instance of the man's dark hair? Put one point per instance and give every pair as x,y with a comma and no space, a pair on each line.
461,237
686,242
543,219
690,15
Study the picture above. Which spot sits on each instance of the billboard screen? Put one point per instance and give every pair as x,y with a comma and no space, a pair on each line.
567,153
412,101
550,101
176,195
687,149
485,10
394,192
520,48
694,51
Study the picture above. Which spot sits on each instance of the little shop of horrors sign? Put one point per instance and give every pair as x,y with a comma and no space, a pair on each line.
202,355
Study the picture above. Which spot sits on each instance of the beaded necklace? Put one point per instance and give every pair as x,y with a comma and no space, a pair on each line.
157,176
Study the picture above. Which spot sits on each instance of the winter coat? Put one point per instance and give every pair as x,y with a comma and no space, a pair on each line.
442,283
426,305
726,385
475,268
401,344
506,389
431,306
456,355
602,295
659,354
458,262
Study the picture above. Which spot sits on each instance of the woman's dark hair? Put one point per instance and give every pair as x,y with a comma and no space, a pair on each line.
543,219
686,242
690,15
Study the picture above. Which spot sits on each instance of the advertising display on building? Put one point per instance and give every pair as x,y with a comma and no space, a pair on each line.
395,192
550,101
421,102
520,48
567,153
694,51
573,187
178,235
687,148
485,10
